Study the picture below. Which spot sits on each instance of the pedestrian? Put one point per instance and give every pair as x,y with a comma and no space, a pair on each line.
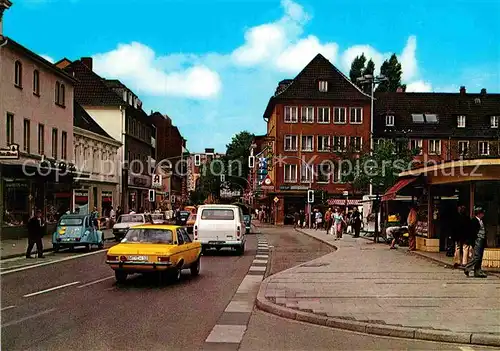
296,219
302,219
337,224
356,222
36,228
412,224
468,243
328,220
460,229
479,232
319,219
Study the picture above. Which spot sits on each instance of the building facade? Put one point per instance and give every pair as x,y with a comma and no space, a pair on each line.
119,112
36,108
314,120
96,155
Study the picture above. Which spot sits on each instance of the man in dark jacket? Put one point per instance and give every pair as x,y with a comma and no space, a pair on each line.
459,234
356,222
36,228
479,232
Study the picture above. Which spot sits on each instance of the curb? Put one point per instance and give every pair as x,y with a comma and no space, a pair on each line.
369,328
318,239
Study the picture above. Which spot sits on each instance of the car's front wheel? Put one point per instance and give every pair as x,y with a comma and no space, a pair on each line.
120,276
195,267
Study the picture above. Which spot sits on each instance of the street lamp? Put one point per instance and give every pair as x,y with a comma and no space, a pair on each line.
372,80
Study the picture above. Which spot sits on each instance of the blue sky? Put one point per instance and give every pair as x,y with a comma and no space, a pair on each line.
212,65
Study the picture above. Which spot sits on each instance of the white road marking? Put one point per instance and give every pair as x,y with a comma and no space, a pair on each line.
259,261
51,289
27,318
7,308
257,269
95,282
52,262
262,257
227,333
466,348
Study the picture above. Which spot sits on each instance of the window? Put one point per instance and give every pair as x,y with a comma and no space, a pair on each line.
431,118
10,128
26,136
340,115
417,118
416,144
323,115
36,82
323,172
463,148
307,143
307,114
356,143
60,94
54,143
57,91
356,115
290,173
339,143
306,173
18,74
323,86
41,139
291,143
64,146
323,143
494,121
291,114
434,147
484,148
461,121
389,120
134,127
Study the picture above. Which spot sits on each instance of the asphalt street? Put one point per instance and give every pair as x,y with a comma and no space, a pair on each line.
76,305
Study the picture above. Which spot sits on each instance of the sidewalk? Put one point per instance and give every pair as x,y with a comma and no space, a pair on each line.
368,288
17,248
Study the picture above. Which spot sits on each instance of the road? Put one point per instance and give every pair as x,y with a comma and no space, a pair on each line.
90,312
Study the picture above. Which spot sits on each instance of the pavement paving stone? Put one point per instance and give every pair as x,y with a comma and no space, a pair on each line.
366,281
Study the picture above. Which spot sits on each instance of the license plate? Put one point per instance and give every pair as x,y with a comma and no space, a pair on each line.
216,242
138,258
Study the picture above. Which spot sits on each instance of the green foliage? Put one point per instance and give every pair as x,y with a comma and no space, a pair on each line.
391,69
357,68
370,68
236,160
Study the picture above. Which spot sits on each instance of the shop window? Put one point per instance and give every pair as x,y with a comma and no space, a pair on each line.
16,203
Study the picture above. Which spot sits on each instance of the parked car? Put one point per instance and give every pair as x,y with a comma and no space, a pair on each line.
190,223
219,226
77,230
129,220
248,223
165,249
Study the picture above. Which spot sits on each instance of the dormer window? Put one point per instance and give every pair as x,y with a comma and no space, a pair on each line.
461,121
323,86
389,120
494,121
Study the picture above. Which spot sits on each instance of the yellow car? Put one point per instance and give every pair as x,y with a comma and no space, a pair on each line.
166,249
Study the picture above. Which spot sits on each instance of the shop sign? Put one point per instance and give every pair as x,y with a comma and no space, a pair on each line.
156,181
16,185
107,196
294,187
10,153
139,181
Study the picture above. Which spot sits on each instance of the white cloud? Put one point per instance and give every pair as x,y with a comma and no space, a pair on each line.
48,58
294,11
370,53
297,56
419,86
408,59
137,64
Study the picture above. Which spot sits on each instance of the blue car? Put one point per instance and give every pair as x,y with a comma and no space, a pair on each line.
77,230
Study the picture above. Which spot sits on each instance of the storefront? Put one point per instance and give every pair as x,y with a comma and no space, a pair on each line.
138,193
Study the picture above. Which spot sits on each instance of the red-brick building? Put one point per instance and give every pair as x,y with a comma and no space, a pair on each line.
316,116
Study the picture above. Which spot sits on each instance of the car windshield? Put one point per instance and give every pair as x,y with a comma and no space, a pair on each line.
217,214
150,236
70,221
130,219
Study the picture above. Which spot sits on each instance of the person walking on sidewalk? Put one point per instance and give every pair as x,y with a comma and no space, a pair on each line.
302,219
36,227
337,223
479,232
412,224
356,222
328,220
296,220
319,220
459,233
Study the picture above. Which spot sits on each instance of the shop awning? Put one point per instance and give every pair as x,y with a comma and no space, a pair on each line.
342,202
393,191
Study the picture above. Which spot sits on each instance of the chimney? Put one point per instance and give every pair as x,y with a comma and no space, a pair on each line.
483,91
4,5
87,61
399,90
462,90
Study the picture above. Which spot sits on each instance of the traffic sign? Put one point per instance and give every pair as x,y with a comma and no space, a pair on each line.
156,181
267,181
276,200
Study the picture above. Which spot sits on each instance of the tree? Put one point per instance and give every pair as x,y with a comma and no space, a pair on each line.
370,68
391,69
237,153
357,69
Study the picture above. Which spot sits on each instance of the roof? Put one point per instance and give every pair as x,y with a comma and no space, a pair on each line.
156,226
305,85
91,89
447,107
12,44
82,119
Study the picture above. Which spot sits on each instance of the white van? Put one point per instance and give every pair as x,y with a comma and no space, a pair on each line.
219,226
